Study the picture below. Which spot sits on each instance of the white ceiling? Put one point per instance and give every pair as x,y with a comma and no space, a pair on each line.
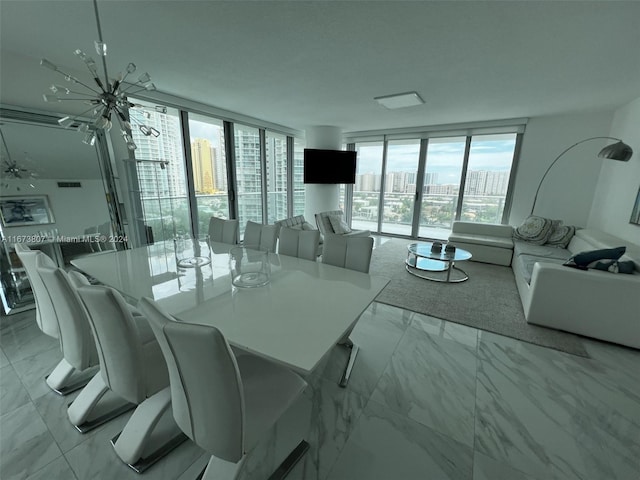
305,63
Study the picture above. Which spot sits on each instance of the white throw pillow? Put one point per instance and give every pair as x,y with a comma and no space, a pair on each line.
339,226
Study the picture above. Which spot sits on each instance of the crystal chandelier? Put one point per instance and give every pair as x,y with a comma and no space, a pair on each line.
12,170
107,101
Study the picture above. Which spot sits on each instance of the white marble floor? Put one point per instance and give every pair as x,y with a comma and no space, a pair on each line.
428,399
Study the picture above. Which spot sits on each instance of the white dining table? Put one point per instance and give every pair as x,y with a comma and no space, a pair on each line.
295,320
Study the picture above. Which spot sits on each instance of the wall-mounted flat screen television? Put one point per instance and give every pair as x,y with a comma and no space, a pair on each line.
329,166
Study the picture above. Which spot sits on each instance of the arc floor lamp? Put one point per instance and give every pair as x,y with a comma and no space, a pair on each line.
617,151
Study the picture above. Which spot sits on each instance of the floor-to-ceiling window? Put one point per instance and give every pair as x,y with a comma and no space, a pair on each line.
248,174
298,176
276,161
419,186
400,179
366,191
209,163
488,172
441,186
161,172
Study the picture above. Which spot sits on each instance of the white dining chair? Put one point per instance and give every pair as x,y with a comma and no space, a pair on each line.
225,404
299,243
132,366
223,230
353,253
61,379
261,237
76,340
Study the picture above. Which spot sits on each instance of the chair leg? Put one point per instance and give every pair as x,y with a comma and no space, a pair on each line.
130,444
85,413
62,380
291,461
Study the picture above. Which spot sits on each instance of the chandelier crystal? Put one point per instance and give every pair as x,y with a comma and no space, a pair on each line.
107,101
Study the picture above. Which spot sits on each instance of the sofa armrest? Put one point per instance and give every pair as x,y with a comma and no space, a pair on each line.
358,233
588,302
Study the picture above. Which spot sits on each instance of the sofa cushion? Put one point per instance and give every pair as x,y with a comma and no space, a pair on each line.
500,242
535,230
561,236
542,251
528,261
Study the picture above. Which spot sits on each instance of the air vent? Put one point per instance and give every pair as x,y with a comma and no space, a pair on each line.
69,185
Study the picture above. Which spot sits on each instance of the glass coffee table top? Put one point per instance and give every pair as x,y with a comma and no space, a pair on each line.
438,266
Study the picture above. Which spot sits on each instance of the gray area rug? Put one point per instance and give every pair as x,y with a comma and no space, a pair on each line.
489,300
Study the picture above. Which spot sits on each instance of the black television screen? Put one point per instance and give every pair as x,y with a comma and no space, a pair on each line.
329,166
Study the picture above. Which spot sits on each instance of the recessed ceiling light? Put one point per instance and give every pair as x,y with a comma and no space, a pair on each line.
400,100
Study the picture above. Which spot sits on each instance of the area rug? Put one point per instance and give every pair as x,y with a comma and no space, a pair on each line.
488,301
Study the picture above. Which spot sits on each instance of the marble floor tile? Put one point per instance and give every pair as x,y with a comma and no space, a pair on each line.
526,413
95,458
431,377
333,415
26,446
12,393
485,468
385,445
33,369
58,469
4,361
24,339
377,334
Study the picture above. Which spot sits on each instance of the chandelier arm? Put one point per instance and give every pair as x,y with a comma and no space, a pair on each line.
535,198
104,59
67,76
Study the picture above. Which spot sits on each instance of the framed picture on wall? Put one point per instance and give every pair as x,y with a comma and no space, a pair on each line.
635,212
26,210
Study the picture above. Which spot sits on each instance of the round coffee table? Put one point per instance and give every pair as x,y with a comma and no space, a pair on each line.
421,261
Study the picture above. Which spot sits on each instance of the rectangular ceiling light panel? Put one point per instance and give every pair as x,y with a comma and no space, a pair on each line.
400,100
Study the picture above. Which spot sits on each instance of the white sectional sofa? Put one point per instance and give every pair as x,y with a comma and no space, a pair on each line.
594,303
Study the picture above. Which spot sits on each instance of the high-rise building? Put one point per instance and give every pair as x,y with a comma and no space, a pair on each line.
202,158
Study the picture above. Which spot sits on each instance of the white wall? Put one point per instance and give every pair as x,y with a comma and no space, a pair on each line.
74,209
619,181
568,190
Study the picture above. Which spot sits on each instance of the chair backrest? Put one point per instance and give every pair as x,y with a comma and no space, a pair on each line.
106,234
224,231
353,253
324,223
45,313
299,243
76,339
206,389
262,237
117,342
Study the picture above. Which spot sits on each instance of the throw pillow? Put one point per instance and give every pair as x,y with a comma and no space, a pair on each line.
585,258
339,226
561,236
615,266
534,230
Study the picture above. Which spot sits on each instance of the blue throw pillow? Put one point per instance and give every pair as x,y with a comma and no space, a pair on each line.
585,258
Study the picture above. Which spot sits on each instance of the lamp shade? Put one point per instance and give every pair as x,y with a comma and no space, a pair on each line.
617,151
